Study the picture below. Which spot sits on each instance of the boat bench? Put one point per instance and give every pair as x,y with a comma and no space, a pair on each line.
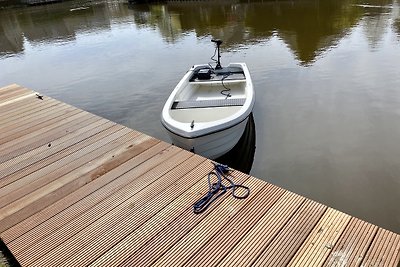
210,103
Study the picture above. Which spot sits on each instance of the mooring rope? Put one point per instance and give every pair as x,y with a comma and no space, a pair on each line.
217,189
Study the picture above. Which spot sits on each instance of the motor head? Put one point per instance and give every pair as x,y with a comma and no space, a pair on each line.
217,41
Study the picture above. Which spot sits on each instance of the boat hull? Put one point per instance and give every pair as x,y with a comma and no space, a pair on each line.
208,116
211,145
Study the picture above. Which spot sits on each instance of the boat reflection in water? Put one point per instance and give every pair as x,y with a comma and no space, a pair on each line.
241,156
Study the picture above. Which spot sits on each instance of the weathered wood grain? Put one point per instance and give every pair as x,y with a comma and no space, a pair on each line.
79,190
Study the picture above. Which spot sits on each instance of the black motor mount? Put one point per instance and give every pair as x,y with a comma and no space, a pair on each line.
218,43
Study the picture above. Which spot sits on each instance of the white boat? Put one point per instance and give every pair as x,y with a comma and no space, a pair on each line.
208,110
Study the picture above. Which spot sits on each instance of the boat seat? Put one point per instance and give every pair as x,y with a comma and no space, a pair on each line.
210,103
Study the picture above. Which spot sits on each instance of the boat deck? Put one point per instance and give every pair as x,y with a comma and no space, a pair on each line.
79,190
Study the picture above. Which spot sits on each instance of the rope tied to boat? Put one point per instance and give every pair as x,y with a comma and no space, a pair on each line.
217,189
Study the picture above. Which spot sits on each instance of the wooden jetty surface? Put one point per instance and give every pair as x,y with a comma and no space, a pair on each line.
79,190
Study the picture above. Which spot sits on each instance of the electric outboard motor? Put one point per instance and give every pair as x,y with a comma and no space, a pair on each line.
218,42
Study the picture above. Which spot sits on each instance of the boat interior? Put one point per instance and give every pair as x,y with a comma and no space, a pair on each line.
212,98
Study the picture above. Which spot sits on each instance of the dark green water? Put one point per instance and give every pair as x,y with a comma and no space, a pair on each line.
326,75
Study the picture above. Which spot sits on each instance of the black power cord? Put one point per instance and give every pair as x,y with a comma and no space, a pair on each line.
227,90
217,189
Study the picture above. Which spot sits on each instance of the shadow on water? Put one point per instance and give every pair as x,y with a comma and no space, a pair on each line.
241,156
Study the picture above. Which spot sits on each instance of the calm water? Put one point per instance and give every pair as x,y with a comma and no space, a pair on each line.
326,74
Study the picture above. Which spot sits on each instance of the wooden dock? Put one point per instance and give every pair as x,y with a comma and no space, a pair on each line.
79,190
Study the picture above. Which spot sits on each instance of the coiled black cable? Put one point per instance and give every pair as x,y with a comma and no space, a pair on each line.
217,189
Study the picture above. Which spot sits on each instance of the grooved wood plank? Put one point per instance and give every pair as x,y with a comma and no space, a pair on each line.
204,231
8,88
18,92
265,230
111,207
45,135
384,250
16,167
100,232
47,118
11,89
17,113
52,163
14,117
322,239
18,99
30,183
174,178
174,222
234,230
135,203
353,244
67,142
51,192
79,190
19,104
284,246
83,198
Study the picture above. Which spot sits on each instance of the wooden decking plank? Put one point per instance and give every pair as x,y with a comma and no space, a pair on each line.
22,123
359,253
18,99
162,228
13,85
78,190
320,257
116,254
102,230
43,119
19,104
12,89
84,197
265,230
61,145
45,135
8,88
37,194
330,219
353,244
393,246
292,235
17,109
395,259
32,202
385,245
15,117
187,246
346,244
82,154
175,221
322,239
55,117
24,166
376,246
23,140
142,191
18,170
231,233
17,92
115,207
